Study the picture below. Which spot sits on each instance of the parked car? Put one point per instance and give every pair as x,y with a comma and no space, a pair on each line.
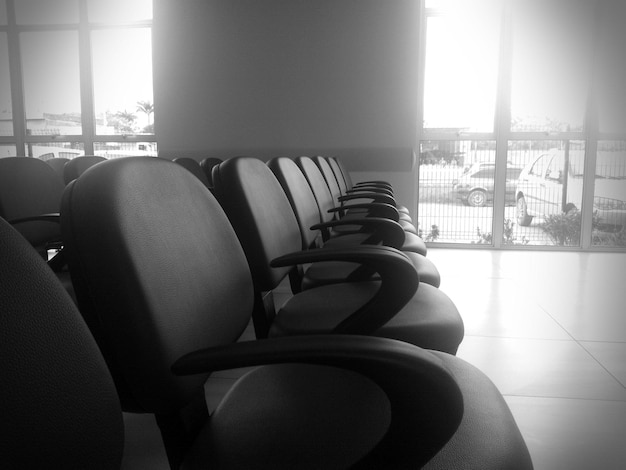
545,187
476,186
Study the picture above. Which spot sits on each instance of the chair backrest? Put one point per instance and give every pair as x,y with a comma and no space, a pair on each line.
344,172
194,167
207,165
29,187
261,215
158,273
58,165
319,187
77,166
329,176
341,181
57,400
300,197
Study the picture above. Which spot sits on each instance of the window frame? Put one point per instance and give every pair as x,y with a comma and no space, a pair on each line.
503,134
21,138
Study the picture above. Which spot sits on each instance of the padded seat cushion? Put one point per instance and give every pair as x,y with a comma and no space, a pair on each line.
319,274
429,320
488,437
324,416
411,242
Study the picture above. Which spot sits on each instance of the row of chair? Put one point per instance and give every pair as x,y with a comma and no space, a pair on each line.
167,275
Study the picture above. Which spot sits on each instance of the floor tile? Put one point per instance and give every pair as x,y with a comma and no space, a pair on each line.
572,434
498,307
541,368
611,355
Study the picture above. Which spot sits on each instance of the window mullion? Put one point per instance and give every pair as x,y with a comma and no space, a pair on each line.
502,123
17,83
86,79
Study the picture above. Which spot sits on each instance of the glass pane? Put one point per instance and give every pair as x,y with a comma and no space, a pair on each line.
552,43
612,69
456,187
7,151
119,11
609,202
46,12
46,151
6,111
51,82
547,193
122,70
125,149
461,68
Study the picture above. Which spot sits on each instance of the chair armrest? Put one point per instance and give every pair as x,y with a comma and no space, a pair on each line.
368,188
381,230
426,402
374,209
52,217
399,281
375,197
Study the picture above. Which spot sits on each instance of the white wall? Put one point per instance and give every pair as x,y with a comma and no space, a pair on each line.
289,77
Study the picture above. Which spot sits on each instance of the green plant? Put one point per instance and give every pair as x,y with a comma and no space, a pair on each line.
431,236
564,230
508,234
486,238
600,238
483,238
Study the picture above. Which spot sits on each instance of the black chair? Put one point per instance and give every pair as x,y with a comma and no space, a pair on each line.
169,277
194,167
261,215
329,206
372,192
207,165
30,198
78,165
60,408
58,165
309,219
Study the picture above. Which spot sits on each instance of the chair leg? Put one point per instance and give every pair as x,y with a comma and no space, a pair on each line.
179,429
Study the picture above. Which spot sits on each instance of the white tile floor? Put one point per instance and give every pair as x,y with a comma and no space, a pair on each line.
549,328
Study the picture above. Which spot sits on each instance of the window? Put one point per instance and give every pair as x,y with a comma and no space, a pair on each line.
520,99
76,78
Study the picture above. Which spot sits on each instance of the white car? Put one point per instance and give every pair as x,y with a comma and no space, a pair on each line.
543,187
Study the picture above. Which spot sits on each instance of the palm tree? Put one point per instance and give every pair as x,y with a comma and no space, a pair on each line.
146,107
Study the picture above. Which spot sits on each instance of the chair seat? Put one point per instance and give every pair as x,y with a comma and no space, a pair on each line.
488,437
320,426
411,242
319,274
429,320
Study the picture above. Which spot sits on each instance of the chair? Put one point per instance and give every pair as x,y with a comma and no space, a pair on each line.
261,215
309,219
170,278
194,167
376,195
342,174
169,286
58,165
329,207
60,408
30,196
207,165
78,165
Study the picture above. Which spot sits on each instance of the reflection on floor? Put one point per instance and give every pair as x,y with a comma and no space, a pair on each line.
549,328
